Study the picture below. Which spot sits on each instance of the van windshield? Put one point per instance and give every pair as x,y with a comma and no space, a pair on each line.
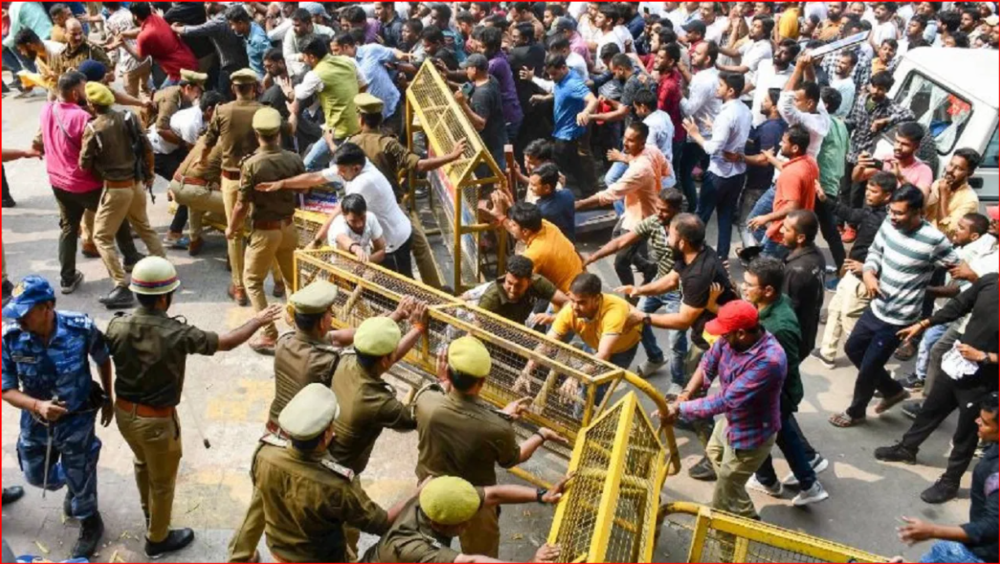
942,112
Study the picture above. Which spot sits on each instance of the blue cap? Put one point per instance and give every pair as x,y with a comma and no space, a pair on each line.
93,70
32,291
314,8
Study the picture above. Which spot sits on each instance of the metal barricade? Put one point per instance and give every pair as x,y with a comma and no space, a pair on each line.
720,537
609,514
368,290
457,188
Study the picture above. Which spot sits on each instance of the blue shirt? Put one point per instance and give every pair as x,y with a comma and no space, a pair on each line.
371,60
454,39
61,369
257,46
765,137
729,135
570,100
559,208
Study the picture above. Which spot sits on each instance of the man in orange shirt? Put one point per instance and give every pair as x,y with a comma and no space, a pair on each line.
554,256
794,190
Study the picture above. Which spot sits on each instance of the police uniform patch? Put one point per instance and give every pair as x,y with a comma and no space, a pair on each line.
338,469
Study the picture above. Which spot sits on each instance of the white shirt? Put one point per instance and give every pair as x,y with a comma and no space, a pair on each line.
293,55
848,90
717,30
817,124
753,54
729,135
883,31
381,200
701,101
372,232
767,78
280,31
577,63
188,124
661,134
119,21
606,39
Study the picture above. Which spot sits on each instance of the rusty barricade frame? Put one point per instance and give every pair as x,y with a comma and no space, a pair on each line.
368,290
431,109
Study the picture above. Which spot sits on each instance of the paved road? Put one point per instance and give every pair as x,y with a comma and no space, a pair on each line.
227,399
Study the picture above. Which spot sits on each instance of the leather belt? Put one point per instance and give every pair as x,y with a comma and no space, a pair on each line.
145,410
262,225
188,180
276,431
231,175
119,184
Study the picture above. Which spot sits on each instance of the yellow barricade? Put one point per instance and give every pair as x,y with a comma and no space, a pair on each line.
368,290
720,537
609,513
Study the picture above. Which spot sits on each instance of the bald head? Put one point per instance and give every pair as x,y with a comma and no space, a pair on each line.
74,33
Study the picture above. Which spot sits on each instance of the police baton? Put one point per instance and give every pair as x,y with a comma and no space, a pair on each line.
48,452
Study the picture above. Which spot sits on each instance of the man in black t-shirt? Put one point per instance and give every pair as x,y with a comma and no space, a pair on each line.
481,100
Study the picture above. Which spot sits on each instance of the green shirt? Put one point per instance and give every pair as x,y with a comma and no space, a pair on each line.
832,156
780,320
652,230
495,299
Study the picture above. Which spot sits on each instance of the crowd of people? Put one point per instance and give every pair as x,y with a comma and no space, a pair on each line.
668,113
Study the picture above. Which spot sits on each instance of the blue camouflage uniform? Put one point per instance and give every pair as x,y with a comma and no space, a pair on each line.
61,370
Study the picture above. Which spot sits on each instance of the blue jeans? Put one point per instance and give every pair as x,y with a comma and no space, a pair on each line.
318,156
73,464
168,82
721,195
954,552
676,340
622,360
691,156
764,206
870,347
792,445
931,337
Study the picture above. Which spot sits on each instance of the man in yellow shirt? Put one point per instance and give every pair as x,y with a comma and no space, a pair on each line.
951,197
554,256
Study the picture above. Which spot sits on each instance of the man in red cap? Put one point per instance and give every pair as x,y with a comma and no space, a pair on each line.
751,368
994,213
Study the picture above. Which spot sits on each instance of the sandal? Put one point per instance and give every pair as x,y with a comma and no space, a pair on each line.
263,346
889,403
845,421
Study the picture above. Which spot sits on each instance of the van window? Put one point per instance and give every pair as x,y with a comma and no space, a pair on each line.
943,113
990,157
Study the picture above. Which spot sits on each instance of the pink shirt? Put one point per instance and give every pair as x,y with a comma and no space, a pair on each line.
918,174
62,127
640,186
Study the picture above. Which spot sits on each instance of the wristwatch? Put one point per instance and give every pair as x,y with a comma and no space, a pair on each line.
542,492
647,320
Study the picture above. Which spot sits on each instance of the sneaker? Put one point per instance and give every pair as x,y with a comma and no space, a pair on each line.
815,494
91,531
648,368
68,288
703,471
850,235
12,495
818,464
832,285
827,363
912,383
68,506
906,351
175,541
940,493
119,298
755,485
896,453
913,409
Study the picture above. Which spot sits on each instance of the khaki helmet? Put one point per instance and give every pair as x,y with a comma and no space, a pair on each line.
154,276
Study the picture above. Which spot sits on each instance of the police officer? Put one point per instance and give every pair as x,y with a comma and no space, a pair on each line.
307,497
393,159
108,152
461,436
197,187
308,355
47,376
79,50
150,351
444,509
273,237
232,129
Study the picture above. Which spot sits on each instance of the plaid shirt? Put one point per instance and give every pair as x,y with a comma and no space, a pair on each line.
751,391
862,71
861,119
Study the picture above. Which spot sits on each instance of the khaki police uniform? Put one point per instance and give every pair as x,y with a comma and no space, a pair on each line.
107,152
274,237
198,188
412,539
299,360
391,158
232,129
307,497
462,436
71,59
150,353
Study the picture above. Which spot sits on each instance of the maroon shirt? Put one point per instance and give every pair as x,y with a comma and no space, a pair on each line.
669,96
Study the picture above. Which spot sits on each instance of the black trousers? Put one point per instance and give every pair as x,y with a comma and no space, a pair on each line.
71,209
635,255
947,396
828,226
580,173
166,166
401,262
6,188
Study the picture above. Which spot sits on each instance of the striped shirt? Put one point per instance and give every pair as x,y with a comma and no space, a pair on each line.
652,230
905,263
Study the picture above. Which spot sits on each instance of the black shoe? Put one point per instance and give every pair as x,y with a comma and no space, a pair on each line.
67,287
906,351
913,409
941,492
68,506
8,289
703,471
9,202
12,495
912,383
176,540
119,298
91,531
896,453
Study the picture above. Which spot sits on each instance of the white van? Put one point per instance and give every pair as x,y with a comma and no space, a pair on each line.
954,94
